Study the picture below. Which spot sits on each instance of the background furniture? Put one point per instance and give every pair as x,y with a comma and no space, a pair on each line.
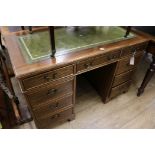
151,70
1,45
7,117
10,111
29,28
150,50
147,29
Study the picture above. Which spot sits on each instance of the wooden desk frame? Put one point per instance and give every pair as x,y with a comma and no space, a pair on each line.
52,99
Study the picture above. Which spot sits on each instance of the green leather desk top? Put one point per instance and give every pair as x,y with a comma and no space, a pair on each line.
36,46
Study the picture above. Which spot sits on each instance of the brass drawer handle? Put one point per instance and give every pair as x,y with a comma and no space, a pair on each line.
51,91
87,65
111,57
55,116
46,77
54,106
57,105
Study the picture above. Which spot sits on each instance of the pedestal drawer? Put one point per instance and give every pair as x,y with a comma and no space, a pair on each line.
124,64
49,93
53,106
47,77
122,78
119,89
51,120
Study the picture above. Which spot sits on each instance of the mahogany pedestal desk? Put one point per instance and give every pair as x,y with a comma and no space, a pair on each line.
49,85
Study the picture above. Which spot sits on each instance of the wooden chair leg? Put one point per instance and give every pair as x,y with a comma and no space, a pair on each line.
150,72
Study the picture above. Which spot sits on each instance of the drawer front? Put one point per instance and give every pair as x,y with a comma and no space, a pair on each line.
98,60
84,65
47,77
53,107
124,64
119,89
55,118
131,49
111,56
50,93
123,78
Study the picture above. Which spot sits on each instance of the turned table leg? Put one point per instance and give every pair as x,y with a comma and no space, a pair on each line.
147,77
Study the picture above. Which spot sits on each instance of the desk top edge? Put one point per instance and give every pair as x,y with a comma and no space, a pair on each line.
22,69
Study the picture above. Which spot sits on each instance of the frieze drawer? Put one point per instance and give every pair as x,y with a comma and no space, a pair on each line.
97,61
135,48
47,77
